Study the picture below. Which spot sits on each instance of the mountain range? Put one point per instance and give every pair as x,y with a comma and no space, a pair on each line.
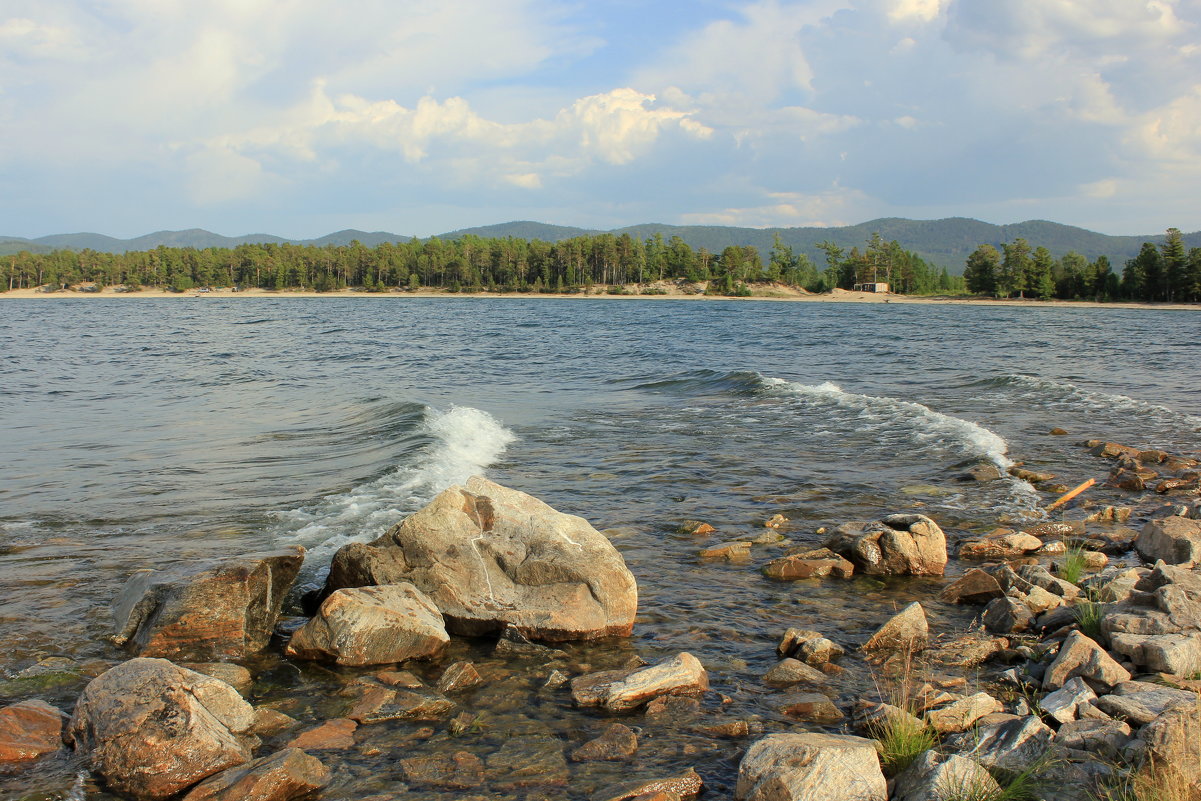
945,242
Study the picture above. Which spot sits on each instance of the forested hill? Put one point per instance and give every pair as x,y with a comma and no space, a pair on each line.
944,243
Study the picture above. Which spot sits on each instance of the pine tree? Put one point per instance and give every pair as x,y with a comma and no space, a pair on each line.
980,271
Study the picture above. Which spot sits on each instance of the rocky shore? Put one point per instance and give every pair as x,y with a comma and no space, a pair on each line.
1080,677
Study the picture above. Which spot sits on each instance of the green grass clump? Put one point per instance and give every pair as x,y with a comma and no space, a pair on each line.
1088,614
1074,562
902,739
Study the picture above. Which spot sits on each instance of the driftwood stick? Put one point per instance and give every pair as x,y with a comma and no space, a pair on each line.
1068,496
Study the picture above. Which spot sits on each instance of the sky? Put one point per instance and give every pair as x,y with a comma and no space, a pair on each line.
301,117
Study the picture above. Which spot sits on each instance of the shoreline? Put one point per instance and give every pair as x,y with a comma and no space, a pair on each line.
773,295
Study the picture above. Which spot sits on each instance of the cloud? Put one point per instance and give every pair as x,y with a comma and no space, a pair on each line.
787,209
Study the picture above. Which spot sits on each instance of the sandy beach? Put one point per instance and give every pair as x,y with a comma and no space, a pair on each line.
774,293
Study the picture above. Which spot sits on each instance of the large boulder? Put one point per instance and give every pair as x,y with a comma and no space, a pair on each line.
1175,540
622,690
811,767
1081,656
897,545
208,611
489,556
152,729
282,776
372,626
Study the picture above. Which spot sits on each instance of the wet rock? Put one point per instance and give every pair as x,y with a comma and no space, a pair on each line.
1058,432
527,762
1175,540
460,770
695,527
684,786
1007,614
730,729
489,556
905,631
810,647
621,690
208,611
282,776
775,521
615,744
1033,476
737,551
982,473
1064,703
1112,450
932,777
788,672
811,767
372,626
512,643
1186,483
1011,745
962,714
896,545
1081,656
1004,545
151,728
811,563
967,650
1105,738
333,735
28,730
459,676
399,678
235,676
556,679
973,587
270,722
1110,514
379,704
672,709
812,707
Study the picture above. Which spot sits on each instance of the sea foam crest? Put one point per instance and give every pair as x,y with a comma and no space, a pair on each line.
926,424
462,442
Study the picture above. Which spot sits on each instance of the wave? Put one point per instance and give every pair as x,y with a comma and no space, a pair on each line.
458,443
745,383
1066,392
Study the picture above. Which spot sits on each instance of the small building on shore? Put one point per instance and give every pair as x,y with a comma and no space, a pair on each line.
877,286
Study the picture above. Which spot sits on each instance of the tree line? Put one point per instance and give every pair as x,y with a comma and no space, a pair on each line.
474,263
1163,273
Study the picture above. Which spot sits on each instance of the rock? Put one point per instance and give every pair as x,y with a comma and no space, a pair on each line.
812,563
151,728
282,776
788,672
269,722
1058,432
819,651
1175,654
695,527
967,650
1033,476
615,744
684,786
28,730
459,676
459,770
973,587
334,735
1123,708
1012,745
1080,656
1039,576
399,678
372,626
775,521
1174,540
1007,614
897,545
905,631
235,676
1110,514
1156,698
489,556
1173,740
379,704
527,762
982,473
812,707
1038,600
1105,738
1000,546
621,690
207,611
1112,450
811,767
932,777
1129,480
962,714
1063,704
512,643
737,551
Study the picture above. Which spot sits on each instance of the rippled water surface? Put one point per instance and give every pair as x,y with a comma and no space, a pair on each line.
139,433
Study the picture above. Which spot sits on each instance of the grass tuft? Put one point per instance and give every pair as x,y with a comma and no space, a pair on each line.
1074,562
1088,615
902,739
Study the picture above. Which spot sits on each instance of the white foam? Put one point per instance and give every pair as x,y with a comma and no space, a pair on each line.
465,441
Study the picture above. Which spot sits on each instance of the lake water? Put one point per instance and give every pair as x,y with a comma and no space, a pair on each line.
141,433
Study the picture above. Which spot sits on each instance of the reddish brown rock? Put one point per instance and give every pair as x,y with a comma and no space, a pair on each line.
210,611
458,771
1112,450
737,551
973,587
696,527
283,776
905,631
1001,544
332,735
621,690
615,744
813,707
459,676
30,729
814,563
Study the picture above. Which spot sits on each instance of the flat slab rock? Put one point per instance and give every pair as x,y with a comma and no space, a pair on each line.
491,557
372,626
152,728
623,690
30,729
208,611
811,767
282,776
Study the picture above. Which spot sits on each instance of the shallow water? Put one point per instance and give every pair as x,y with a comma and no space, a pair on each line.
137,434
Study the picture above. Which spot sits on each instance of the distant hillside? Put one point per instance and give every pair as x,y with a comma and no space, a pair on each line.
946,243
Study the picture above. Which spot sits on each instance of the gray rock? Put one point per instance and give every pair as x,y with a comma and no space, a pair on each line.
1064,702
1173,741
1175,540
1105,738
897,545
933,777
973,587
962,714
489,556
1012,745
793,671
811,767
1006,615
622,690
1081,656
